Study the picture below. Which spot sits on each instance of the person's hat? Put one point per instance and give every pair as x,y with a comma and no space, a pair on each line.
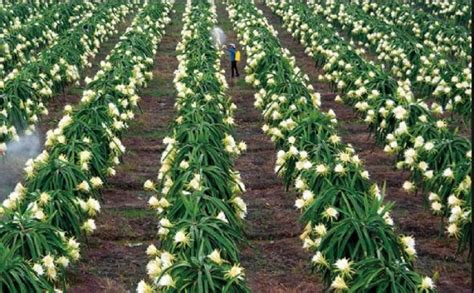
232,45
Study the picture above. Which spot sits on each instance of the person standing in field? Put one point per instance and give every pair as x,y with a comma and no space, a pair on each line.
234,58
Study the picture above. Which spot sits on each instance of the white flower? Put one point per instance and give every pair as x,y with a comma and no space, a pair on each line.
429,146
433,196
235,272
339,169
153,268
164,222
400,113
63,261
143,287
92,206
215,256
339,284
96,182
408,186
334,139
51,273
153,202
167,259
429,174
448,173
308,195
410,251
151,250
84,187
195,183
293,151
320,230
242,146
300,184
422,166
163,231
166,281
149,185
453,230
181,238
408,241
319,259
184,165
164,202
38,269
48,261
331,213
239,202
453,200
85,156
427,283
441,124
299,203
343,265
39,214
221,216
436,206
321,169
89,226
364,174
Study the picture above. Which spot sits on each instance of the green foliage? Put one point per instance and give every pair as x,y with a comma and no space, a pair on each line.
345,217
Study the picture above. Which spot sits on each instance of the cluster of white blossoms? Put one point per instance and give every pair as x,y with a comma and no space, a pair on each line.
460,210
450,85
409,245
458,12
39,82
391,116
232,147
444,202
48,266
90,207
51,265
15,19
160,261
46,29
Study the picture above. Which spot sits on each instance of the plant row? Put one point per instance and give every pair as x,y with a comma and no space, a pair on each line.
347,226
18,45
456,12
451,40
197,196
46,215
24,92
14,15
439,159
430,71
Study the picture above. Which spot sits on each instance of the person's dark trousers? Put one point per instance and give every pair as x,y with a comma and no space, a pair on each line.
234,67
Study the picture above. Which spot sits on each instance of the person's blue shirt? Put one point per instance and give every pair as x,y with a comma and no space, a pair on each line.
232,53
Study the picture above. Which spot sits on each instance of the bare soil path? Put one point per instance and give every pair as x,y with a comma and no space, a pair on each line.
410,214
275,260
114,258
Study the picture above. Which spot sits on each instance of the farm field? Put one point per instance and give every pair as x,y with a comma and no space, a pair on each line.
131,160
